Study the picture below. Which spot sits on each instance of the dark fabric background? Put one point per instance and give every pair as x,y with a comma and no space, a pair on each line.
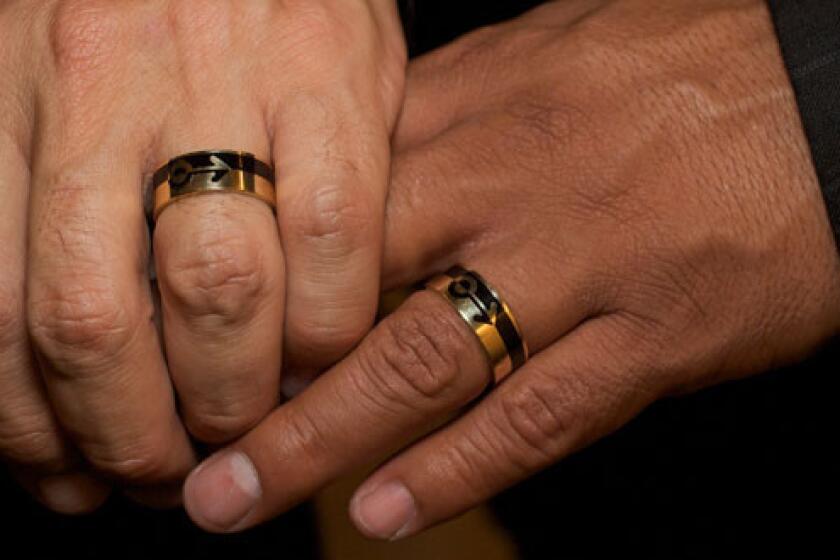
744,469
431,23
124,531
809,32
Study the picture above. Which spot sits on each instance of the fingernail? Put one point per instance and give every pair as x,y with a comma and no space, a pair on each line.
385,513
222,491
72,494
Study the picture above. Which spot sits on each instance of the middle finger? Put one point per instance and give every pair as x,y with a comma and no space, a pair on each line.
218,254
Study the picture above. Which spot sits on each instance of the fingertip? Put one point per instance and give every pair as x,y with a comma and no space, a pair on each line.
72,494
388,511
221,493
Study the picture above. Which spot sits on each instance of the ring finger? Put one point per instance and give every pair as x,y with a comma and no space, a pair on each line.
221,272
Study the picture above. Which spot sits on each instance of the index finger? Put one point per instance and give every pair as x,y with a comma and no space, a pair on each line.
416,367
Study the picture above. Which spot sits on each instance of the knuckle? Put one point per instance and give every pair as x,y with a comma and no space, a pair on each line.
333,220
219,423
464,461
201,28
595,43
141,462
646,347
535,417
472,51
82,35
191,17
315,19
65,228
81,317
321,29
217,274
666,298
70,189
30,446
416,357
214,427
302,438
324,335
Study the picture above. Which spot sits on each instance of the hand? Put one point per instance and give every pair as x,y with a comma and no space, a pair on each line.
96,95
635,183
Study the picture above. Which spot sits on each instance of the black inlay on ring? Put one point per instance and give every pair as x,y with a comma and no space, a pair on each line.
180,170
466,284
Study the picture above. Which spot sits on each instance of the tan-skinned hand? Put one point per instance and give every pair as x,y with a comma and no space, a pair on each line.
97,94
634,181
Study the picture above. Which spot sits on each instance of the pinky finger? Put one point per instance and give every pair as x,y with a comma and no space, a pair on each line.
69,493
41,460
565,398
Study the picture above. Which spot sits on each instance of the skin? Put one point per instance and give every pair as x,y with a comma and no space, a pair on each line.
96,95
636,184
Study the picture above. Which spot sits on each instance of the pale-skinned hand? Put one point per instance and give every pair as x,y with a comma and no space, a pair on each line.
95,96
635,182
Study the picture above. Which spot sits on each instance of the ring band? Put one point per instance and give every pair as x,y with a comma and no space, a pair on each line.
487,315
211,172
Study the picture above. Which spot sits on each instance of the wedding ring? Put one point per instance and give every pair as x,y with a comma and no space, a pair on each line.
222,171
487,315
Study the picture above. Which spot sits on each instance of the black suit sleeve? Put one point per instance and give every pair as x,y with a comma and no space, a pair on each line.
809,33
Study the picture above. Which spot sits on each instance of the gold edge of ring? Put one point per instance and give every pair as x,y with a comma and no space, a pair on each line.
512,317
491,362
507,310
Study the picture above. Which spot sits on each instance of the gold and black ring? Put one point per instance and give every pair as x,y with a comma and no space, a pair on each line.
224,171
487,315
